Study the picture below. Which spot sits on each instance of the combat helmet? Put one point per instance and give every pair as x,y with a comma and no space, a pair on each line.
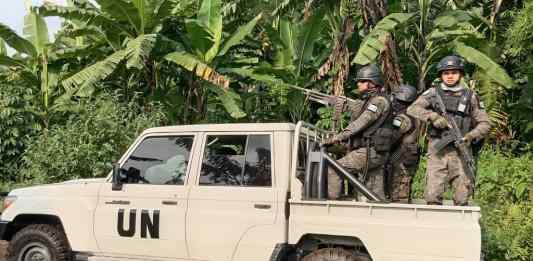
405,93
452,62
371,73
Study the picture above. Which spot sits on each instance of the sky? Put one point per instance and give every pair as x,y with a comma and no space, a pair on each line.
13,12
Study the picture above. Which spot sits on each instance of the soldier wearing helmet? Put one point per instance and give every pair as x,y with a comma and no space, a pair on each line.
365,133
404,158
464,106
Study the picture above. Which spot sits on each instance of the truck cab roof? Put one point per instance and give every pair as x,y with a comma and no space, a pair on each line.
231,127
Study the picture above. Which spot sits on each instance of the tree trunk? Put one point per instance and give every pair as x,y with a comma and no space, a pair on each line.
373,11
339,59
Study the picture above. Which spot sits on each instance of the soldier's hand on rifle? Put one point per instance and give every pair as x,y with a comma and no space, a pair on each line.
330,141
439,122
468,138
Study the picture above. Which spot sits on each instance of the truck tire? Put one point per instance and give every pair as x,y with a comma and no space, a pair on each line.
39,242
335,254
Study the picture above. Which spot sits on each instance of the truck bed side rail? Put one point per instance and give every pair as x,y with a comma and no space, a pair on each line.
316,162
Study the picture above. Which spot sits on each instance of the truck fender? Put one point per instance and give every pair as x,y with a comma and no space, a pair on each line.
23,220
311,242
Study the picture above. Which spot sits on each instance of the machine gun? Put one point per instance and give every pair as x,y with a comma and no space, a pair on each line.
454,136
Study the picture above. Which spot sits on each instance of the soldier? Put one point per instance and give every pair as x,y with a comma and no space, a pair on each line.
405,156
369,141
464,106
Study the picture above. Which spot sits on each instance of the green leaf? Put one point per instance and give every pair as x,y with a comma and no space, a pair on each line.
85,80
199,37
123,11
89,16
16,42
491,68
230,100
36,31
439,34
308,34
264,78
139,49
239,35
210,16
373,42
143,13
162,10
3,48
285,54
452,18
201,69
12,62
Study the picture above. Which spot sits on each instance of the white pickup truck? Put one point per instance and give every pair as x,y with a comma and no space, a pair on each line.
226,192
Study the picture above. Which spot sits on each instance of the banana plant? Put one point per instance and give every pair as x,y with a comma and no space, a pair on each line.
31,63
298,48
439,31
207,54
129,30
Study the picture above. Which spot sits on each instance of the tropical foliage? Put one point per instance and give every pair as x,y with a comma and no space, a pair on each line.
70,103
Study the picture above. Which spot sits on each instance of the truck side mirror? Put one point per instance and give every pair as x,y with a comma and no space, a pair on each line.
117,181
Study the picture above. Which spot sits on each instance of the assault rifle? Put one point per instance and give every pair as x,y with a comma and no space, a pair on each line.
325,99
340,103
454,136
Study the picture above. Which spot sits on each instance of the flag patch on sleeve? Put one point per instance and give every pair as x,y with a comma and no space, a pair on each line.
372,108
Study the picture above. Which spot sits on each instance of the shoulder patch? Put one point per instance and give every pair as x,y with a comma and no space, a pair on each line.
397,122
373,108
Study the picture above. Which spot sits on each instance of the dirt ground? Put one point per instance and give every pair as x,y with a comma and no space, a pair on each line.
3,246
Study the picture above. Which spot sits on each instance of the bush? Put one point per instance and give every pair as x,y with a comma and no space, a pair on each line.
88,143
504,191
18,125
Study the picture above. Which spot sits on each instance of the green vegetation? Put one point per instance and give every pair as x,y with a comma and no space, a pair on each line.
69,106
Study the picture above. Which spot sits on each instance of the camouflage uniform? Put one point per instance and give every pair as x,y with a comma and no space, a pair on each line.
374,109
405,158
446,167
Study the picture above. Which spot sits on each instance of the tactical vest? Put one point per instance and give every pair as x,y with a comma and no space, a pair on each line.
380,135
459,107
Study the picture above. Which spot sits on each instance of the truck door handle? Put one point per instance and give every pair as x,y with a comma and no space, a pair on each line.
262,206
169,202
118,202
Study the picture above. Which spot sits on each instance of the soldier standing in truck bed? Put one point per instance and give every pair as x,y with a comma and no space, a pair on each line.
405,155
369,140
465,107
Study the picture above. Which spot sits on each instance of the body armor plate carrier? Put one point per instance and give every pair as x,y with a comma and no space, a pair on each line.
458,104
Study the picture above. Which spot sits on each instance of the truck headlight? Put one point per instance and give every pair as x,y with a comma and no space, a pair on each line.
8,201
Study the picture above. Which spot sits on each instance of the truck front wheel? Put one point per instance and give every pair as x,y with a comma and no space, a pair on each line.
335,254
39,242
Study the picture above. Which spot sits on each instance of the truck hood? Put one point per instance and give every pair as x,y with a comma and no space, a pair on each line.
83,181
86,187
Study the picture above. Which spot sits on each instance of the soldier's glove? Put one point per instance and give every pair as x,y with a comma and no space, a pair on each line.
330,141
439,122
468,138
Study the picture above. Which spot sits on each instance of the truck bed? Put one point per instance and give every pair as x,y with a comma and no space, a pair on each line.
391,231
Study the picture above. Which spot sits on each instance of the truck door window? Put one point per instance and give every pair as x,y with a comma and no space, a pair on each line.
159,161
237,160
